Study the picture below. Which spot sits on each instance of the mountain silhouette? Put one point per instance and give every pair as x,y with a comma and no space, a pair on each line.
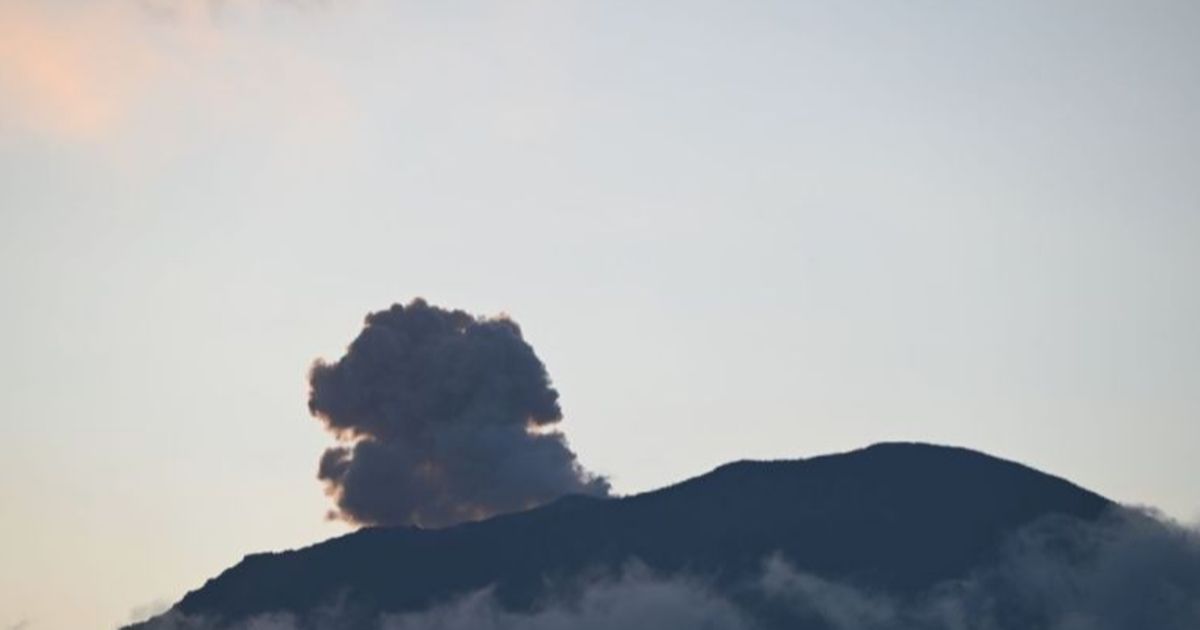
894,517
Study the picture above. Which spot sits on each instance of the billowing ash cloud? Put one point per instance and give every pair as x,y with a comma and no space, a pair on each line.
444,417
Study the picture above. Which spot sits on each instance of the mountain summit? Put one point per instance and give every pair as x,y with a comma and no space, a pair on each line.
894,517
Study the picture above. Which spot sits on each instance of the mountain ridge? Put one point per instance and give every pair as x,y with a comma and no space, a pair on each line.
898,516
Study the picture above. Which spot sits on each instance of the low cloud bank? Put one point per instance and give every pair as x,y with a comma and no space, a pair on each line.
1132,570
1129,571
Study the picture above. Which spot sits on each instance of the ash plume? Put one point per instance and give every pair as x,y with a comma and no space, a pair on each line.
444,417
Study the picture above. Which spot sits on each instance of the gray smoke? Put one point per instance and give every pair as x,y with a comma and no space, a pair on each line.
444,417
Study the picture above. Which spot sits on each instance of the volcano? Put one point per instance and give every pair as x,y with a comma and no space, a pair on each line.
895,517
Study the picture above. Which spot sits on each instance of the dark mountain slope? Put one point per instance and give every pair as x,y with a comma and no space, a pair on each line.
898,517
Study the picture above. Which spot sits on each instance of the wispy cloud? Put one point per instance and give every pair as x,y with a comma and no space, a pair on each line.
86,70
69,69
148,610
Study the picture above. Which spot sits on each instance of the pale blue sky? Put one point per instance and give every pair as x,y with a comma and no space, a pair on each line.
730,230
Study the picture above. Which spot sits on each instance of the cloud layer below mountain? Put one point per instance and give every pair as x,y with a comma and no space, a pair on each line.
1130,571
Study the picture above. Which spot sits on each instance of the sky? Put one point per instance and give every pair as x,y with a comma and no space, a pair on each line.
729,230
